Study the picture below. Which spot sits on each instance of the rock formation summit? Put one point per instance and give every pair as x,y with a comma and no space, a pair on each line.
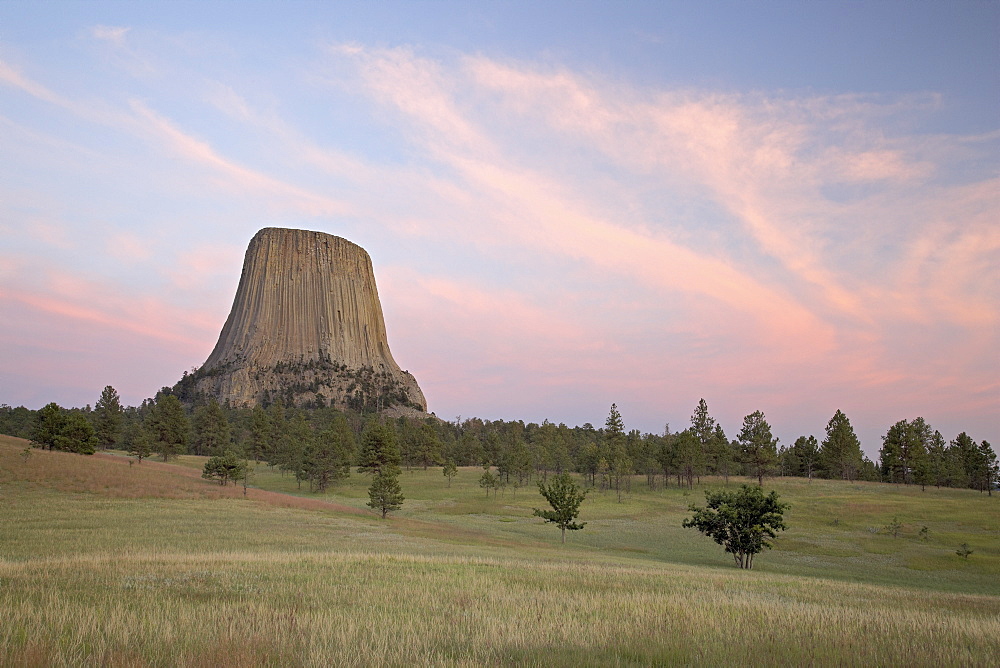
306,328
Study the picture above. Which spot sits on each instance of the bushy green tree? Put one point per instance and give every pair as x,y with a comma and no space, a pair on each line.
565,498
742,521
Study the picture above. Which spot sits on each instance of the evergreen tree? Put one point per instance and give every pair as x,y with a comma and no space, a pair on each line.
565,498
379,449
703,428
49,421
136,442
385,494
614,427
841,449
77,434
211,432
966,457
298,439
987,470
903,453
687,450
937,460
428,446
224,468
450,470
758,446
330,456
259,445
488,481
278,432
168,426
807,451
108,417
722,452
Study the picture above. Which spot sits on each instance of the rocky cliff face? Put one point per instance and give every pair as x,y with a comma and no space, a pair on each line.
306,328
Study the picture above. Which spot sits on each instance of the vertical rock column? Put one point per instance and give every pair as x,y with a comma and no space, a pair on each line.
303,297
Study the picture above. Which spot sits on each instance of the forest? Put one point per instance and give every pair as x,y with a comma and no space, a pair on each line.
319,445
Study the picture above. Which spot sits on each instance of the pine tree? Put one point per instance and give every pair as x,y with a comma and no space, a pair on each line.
168,426
807,450
841,449
759,447
211,433
385,494
450,470
108,417
135,440
330,456
49,421
77,434
260,434
379,449
703,428
565,498
987,470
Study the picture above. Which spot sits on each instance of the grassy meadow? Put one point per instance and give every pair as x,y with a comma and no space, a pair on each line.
103,562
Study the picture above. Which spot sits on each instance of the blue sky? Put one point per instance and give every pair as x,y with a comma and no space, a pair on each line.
786,207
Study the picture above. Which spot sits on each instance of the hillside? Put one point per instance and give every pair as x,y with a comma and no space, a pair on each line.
103,562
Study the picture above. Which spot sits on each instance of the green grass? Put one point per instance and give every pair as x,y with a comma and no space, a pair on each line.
103,563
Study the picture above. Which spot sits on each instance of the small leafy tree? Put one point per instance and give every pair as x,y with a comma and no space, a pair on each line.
963,551
741,521
565,498
385,494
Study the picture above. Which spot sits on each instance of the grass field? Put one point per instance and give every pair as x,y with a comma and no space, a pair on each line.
106,563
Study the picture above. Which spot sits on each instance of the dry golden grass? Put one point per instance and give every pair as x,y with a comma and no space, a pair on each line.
120,477
106,564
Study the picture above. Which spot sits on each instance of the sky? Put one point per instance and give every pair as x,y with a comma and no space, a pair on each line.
777,206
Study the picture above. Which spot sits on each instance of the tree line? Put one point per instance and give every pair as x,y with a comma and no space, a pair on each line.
319,445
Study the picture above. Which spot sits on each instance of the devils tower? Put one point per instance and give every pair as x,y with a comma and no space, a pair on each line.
306,328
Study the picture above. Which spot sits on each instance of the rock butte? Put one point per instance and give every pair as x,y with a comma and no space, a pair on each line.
307,328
